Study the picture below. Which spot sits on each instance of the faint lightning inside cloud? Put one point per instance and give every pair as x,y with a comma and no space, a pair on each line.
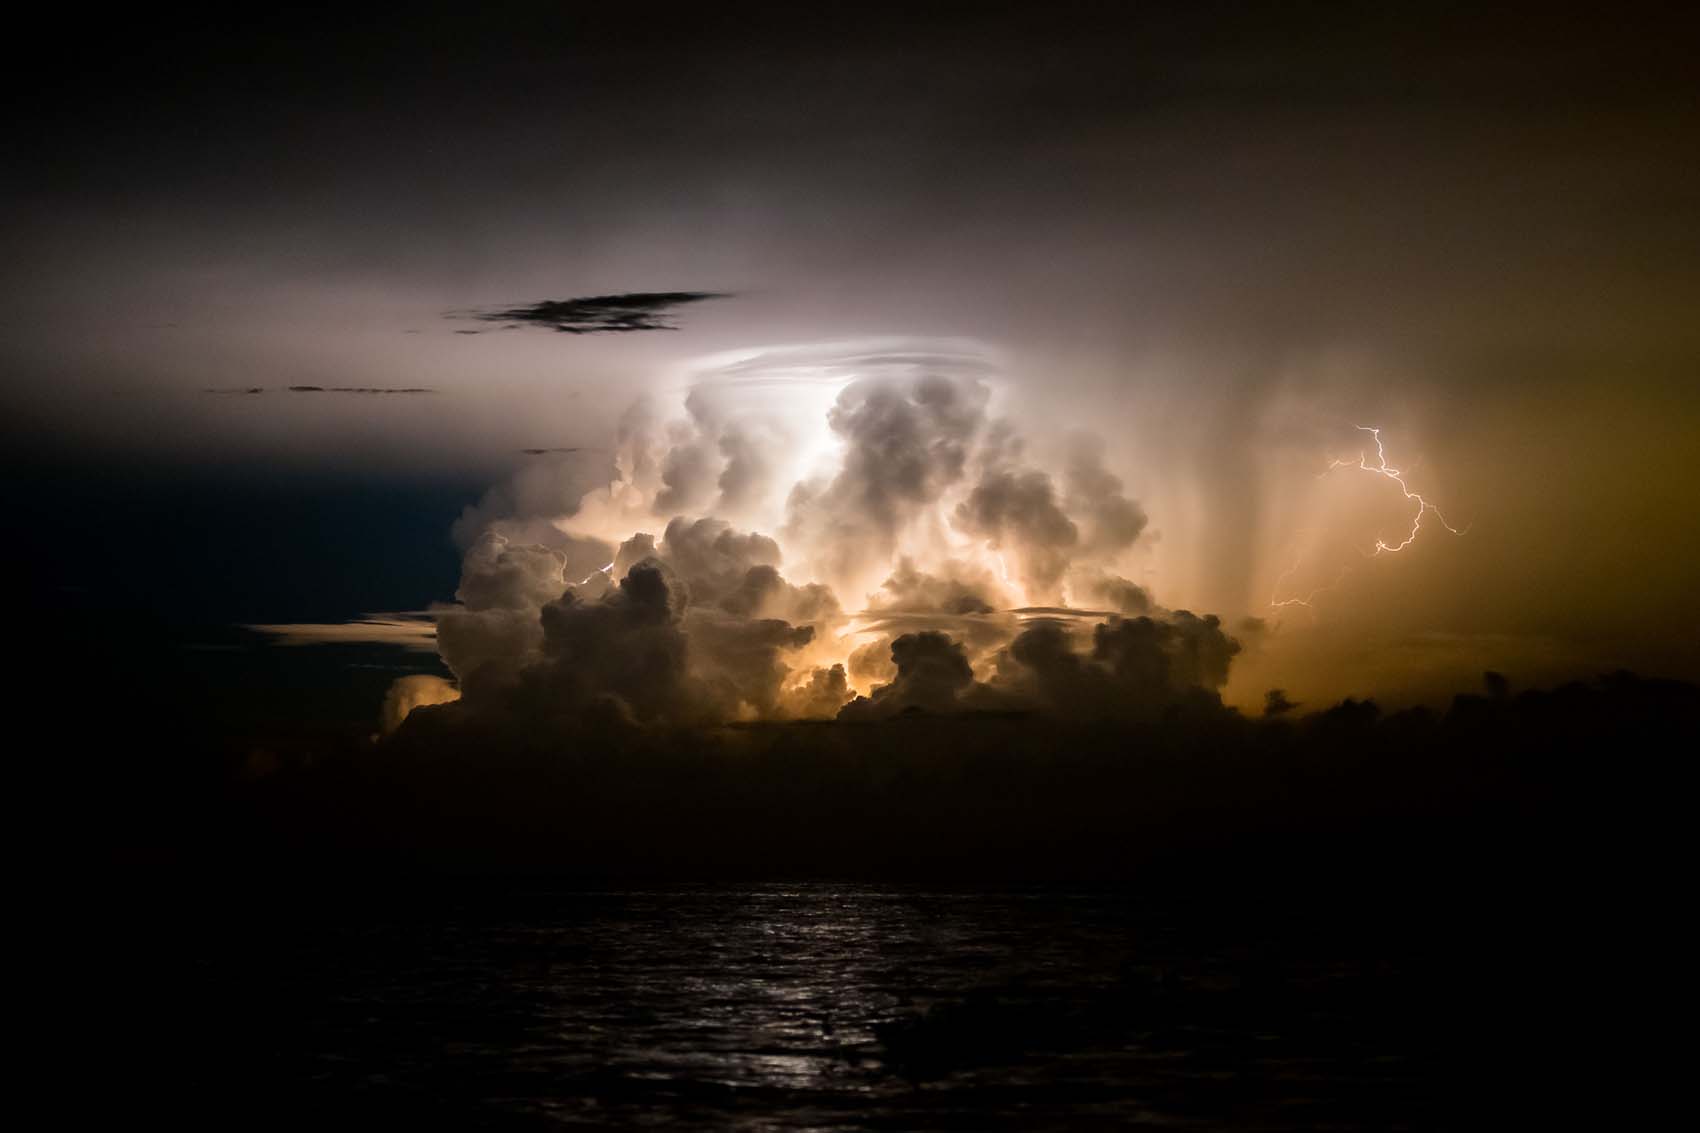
1307,599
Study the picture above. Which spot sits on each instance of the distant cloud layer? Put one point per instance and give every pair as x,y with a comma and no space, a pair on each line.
595,314
248,390
407,629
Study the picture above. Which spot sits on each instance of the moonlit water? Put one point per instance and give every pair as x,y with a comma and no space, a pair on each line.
817,1006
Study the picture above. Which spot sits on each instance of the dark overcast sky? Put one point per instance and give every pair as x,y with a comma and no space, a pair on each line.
1185,224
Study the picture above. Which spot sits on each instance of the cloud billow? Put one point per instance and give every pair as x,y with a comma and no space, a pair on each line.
921,560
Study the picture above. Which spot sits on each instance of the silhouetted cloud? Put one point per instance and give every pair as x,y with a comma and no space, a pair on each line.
936,777
594,314
546,451
933,676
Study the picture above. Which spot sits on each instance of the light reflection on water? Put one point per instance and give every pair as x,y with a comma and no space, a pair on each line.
821,1007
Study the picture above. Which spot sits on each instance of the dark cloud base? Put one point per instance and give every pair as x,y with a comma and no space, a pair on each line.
1337,799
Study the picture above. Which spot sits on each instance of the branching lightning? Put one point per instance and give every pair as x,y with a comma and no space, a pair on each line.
1309,598
1379,468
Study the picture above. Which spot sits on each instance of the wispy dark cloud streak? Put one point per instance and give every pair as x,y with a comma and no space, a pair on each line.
360,389
595,314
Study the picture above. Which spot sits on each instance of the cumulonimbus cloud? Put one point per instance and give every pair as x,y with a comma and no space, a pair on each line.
874,543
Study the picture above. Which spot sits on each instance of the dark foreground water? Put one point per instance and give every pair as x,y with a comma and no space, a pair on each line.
817,1007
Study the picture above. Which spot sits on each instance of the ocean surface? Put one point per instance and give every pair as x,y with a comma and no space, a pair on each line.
784,1006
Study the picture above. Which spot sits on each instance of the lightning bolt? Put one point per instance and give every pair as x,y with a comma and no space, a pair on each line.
1306,601
599,570
1382,468
1379,468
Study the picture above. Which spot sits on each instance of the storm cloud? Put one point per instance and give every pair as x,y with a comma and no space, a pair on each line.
925,558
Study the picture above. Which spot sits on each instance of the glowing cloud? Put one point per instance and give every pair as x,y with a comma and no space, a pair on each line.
801,530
